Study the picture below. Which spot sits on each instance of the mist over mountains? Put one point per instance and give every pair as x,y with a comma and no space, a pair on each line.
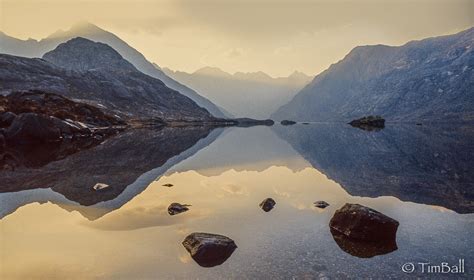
427,80
254,95
34,48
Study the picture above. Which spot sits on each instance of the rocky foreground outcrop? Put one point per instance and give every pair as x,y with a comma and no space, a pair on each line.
35,122
209,249
39,117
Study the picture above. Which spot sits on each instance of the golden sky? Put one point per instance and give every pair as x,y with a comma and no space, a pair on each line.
274,36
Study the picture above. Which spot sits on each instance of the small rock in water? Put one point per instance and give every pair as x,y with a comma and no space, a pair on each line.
208,249
177,208
100,186
267,204
321,204
287,122
168,185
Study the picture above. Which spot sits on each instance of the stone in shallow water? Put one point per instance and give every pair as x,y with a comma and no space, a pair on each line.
167,185
100,187
177,208
321,204
209,249
267,204
363,223
363,232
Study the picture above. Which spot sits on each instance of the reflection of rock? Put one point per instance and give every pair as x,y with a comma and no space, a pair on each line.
267,204
287,122
363,249
363,223
422,164
177,208
369,123
321,204
208,249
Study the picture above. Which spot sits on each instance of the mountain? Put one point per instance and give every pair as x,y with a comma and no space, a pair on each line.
32,48
95,72
427,80
254,95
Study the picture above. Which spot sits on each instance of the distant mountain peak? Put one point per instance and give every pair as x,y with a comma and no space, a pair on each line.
211,71
79,28
82,54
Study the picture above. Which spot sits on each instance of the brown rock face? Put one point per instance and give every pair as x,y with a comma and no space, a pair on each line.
208,249
363,223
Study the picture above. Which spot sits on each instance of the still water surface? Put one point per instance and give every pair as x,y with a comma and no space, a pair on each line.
420,176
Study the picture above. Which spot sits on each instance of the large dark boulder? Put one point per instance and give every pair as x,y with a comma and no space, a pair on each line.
209,249
362,223
267,204
32,127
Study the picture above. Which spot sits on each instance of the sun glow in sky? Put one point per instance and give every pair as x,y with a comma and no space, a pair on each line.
276,37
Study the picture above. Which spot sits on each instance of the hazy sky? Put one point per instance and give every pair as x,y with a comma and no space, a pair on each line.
277,36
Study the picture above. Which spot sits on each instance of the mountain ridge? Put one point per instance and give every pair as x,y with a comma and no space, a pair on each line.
425,80
36,48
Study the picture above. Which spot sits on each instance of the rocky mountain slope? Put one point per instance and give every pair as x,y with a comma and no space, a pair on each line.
254,95
427,80
95,72
32,48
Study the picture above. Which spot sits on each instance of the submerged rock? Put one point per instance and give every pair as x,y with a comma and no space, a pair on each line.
267,204
362,223
177,208
100,187
369,123
321,204
208,249
287,122
168,185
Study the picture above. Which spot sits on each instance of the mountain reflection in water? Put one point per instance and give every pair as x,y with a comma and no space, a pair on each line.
224,176
429,165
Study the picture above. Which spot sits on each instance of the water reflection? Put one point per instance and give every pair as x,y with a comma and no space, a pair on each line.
429,165
363,249
140,240
121,162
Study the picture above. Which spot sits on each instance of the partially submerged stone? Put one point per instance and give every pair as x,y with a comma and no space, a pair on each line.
369,123
167,185
100,186
287,122
321,204
208,249
358,222
267,204
177,208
